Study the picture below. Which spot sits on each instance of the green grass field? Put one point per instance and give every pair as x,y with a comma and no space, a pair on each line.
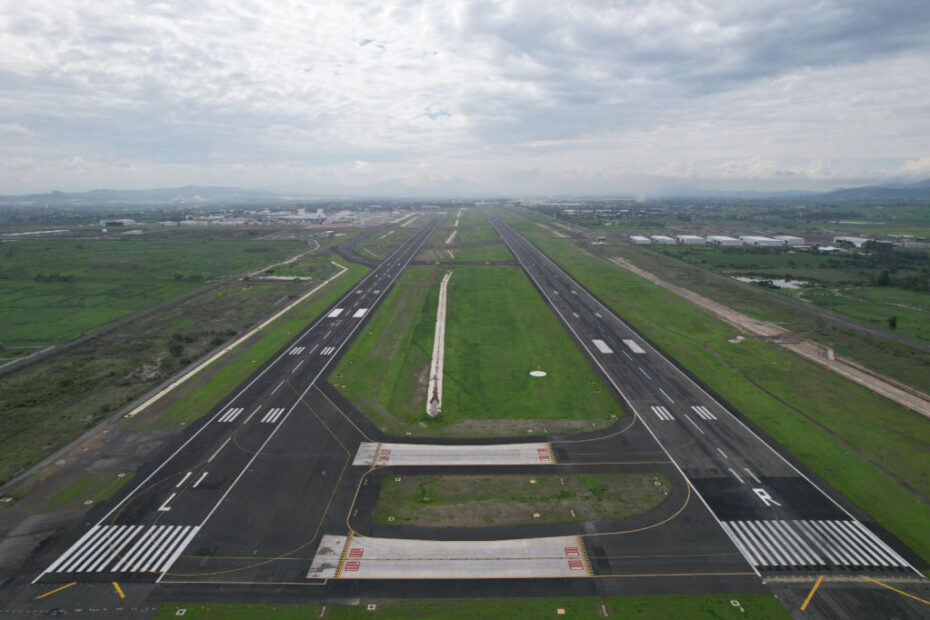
678,607
870,449
92,487
498,329
463,501
53,291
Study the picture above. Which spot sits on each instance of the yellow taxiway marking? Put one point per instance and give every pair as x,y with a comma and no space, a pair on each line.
810,595
119,590
893,589
67,585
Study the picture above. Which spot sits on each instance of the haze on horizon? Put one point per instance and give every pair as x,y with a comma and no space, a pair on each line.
463,96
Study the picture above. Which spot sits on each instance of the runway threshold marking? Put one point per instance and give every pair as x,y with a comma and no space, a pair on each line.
810,594
893,589
59,589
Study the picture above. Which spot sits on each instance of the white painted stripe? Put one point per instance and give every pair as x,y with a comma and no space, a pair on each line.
327,351
164,507
634,346
830,543
644,373
178,550
184,479
667,396
298,365
850,545
134,550
598,315
795,539
231,414
628,356
752,475
154,545
784,543
97,549
278,386
746,550
199,480
72,549
277,415
79,552
819,542
576,315
296,350
878,541
749,537
722,453
602,346
115,550
708,413
736,475
866,542
694,423
359,313
771,546
163,549
334,313
213,456
92,545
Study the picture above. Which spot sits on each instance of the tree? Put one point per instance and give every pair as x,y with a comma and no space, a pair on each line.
884,278
893,322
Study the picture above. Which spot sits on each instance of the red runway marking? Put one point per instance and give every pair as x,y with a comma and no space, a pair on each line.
352,567
356,552
572,551
575,565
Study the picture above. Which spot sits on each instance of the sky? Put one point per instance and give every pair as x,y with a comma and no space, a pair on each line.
454,97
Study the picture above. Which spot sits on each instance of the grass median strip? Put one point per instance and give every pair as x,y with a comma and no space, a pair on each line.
464,501
498,330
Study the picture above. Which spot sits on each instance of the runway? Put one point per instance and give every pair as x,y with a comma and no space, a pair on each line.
270,489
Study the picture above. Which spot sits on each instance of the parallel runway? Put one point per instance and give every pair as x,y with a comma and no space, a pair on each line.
255,487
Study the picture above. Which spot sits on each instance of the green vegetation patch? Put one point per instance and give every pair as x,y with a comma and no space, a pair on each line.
52,291
463,501
93,487
690,607
869,448
498,329
195,398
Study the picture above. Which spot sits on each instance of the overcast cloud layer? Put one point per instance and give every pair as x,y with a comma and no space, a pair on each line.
501,96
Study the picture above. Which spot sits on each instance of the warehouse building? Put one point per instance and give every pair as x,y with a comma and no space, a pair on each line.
723,240
691,240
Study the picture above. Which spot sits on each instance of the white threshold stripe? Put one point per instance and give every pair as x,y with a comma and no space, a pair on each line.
72,549
154,544
115,550
98,546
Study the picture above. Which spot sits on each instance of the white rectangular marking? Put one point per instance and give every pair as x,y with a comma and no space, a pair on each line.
296,350
633,346
199,480
230,415
327,351
602,346
359,313
184,479
334,313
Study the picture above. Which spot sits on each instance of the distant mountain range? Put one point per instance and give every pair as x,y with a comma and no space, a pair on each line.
192,195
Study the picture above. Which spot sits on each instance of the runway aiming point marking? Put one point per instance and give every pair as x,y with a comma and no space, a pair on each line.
575,565
352,566
356,552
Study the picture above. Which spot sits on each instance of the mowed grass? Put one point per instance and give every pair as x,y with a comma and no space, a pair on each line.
643,607
463,501
52,291
93,487
205,391
498,329
870,449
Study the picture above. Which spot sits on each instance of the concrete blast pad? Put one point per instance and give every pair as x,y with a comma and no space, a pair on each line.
397,558
432,454
326,561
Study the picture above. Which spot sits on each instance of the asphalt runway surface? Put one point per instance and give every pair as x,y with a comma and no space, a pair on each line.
237,511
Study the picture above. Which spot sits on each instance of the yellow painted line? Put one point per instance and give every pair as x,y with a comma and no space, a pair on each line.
119,590
551,454
345,553
584,556
893,589
810,594
67,585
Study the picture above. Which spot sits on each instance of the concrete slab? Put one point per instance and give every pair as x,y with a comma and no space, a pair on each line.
431,454
398,558
366,453
328,555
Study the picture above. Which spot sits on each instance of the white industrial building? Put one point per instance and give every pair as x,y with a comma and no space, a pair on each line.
790,240
663,239
723,240
691,240
640,240
761,241
855,241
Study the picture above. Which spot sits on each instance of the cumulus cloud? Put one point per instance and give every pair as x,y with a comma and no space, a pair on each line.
579,90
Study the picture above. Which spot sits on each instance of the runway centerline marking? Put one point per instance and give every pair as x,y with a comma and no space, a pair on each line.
165,507
213,456
667,396
695,423
199,480
186,476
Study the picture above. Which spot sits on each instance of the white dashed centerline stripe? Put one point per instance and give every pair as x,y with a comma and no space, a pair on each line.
644,373
213,456
736,475
722,453
667,396
752,475
184,479
694,423
199,480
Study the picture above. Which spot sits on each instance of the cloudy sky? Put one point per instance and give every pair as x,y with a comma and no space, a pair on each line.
504,96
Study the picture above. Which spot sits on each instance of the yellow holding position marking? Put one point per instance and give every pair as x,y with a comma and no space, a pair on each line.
885,585
811,594
119,590
67,585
